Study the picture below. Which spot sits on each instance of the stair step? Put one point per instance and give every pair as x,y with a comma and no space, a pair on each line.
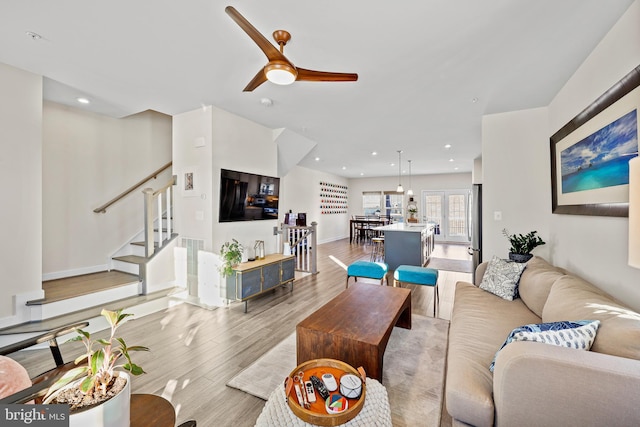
88,313
132,259
69,287
155,244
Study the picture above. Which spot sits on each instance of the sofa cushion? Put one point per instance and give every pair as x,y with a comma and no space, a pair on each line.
572,298
577,335
480,321
501,278
13,377
535,283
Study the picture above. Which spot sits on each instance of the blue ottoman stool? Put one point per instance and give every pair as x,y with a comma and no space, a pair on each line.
371,270
418,276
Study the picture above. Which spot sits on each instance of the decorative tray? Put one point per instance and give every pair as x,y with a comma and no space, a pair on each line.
317,412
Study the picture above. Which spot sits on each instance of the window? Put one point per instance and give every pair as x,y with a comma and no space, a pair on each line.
371,202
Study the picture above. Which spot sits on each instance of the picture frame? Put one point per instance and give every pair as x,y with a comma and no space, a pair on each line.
189,181
580,149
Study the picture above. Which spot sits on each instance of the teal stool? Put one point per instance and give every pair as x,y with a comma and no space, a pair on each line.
418,276
370,270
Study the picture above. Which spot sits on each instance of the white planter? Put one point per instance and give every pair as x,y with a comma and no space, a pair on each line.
111,413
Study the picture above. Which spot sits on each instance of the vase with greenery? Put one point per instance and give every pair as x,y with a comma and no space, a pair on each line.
100,377
522,245
231,253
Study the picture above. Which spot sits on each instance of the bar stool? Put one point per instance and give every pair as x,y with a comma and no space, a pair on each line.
377,249
370,270
418,276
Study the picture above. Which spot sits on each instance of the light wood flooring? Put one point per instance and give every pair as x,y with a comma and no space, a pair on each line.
195,351
59,289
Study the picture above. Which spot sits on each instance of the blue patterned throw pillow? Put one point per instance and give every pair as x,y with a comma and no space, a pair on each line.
502,277
578,335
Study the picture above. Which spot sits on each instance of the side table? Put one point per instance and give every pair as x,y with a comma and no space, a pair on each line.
151,410
375,412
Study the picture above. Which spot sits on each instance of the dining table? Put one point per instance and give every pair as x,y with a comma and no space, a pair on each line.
360,227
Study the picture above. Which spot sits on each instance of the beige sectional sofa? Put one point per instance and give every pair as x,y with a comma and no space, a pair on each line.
536,384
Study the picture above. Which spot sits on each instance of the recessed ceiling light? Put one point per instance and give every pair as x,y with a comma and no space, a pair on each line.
317,159
361,173
456,168
34,36
83,100
267,102
344,168
451,160
392,164
474,100
447,146
374,153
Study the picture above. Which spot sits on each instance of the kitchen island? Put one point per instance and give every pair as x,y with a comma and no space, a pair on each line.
407,244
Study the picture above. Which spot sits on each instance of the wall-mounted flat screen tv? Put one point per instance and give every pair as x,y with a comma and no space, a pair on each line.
248,197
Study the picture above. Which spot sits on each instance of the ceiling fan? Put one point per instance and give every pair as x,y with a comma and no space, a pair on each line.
279,69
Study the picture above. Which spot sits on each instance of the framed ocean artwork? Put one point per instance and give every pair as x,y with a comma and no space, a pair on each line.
590,154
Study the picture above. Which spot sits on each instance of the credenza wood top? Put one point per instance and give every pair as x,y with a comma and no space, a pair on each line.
363,311
268,259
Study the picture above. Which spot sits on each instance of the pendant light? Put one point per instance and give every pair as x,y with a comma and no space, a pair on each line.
410,191
400,189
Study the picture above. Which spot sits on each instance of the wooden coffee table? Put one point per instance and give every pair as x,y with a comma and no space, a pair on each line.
355,326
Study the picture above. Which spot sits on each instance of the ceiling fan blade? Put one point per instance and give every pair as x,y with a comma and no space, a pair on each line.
257,80
269,49
325,76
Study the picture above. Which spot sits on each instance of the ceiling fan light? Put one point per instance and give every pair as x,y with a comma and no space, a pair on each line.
280,73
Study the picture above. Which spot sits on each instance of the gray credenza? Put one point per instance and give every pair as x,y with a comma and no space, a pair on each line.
250,279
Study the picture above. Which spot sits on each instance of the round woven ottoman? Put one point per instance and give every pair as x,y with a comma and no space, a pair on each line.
375,412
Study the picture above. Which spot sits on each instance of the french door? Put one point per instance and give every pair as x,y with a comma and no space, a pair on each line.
449,210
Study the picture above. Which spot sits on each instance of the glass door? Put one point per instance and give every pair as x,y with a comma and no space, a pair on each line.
393,205
449,211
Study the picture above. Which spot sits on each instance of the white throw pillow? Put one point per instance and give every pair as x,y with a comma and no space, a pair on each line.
501,278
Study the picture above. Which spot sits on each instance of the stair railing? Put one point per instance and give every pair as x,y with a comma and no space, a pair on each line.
303,242
103,208
152,198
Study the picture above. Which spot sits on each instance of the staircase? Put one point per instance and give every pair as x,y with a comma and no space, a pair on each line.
128,280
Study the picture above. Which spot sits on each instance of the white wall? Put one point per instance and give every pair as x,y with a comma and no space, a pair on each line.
301,193
517,181
596,247
192,153
231,142
87,160
21,177
435,182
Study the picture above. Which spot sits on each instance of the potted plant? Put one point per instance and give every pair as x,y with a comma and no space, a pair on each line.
98,392
231,253
522,245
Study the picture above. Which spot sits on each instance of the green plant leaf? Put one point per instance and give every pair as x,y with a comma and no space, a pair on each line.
138,348
111,316
69,376
133,368
87,384
97,359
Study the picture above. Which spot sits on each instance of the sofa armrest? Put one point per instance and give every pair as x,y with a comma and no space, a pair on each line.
538,384
479,273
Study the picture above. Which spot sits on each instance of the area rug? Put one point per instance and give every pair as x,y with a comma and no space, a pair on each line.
458,265
413,373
